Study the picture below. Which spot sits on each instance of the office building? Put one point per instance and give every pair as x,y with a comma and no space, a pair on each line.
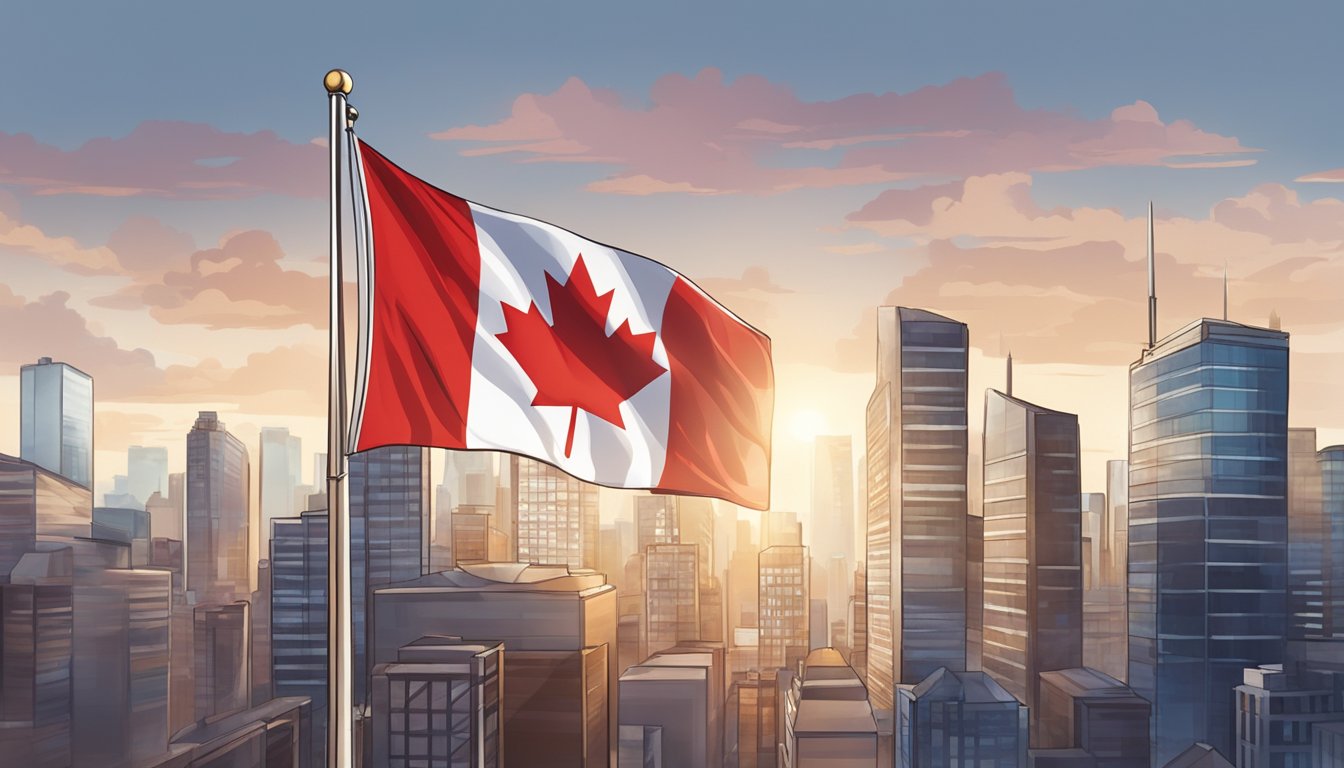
56,419
757,728
1087,710
389,535
858,643
975,588
220,520
452,686
146,472
672,595
299,617
1207,524
165,521
1327,744
1278,709
959,718
556,516
36,608
1307,538
1033,614
832,519
743,578
475,540
1331,463
279,473
784,602
916,505
827,718
696,519
223,658
656,521
676,693
559,633
640,746
272,735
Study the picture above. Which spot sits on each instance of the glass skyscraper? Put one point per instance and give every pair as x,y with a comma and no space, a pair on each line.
916,522
1208,456
555,516
299,616
1306,537
56,419
219,519
1331,463
1033,571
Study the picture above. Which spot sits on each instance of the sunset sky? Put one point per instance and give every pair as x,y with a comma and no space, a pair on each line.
163,211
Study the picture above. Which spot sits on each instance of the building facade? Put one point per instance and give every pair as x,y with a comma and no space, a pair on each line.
1331,462
1307,538
220,519
56,419
1208,450
555,516
959,718
917,503
299,618
671,595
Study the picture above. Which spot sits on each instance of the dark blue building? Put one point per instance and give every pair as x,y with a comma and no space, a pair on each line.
1331,463
1208,451
299,617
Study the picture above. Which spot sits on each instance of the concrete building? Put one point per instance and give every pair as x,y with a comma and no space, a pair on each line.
1089,711
828,720
56,419
559,631
1033,614
439,704
784,596
680,693
917,503
555,516
1208,513
220,519
1278,709
671,595
959,718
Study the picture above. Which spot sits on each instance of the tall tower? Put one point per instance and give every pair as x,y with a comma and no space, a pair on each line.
1208,455
833,518
916,478
1033,582
220,520
56,419
556,515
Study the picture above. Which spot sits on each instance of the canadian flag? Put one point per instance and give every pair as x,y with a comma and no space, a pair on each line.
486,330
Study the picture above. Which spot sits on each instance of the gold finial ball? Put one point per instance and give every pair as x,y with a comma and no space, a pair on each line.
351,114
338,81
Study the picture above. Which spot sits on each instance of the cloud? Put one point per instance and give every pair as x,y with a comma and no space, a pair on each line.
64,252
167,160
1069,284
1332,176
145,245
705,135
747,296
240,284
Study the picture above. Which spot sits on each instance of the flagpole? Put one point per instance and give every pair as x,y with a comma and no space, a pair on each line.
340,707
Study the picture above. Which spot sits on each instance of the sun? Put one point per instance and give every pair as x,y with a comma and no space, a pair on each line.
806,424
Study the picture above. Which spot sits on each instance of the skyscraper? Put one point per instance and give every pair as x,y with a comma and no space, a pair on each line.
1331,461
784,602
1033,617
56,419
279,474
299,617
389,535
832,519
556,520
656,521
220,520
1307,538
916,521
1208,453
959,718
671,594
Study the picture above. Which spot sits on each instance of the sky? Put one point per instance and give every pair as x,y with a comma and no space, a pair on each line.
162,195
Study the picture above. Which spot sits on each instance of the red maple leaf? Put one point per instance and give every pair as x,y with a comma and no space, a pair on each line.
572,361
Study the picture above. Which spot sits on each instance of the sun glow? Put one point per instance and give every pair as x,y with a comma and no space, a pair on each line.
805,425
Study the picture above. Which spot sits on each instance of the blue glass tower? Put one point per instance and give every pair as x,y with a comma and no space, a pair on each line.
1208,522
1331,463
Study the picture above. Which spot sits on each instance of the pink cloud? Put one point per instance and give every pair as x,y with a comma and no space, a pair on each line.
65,252
1332,176
169,160
705,135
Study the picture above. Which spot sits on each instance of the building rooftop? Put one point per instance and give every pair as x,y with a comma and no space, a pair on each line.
504,577
829,716
642,672
1088,683
1030,406
1206,329
913,315
1199,755
972,687
229,726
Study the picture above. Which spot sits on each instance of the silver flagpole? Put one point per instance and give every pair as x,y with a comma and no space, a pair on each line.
340,707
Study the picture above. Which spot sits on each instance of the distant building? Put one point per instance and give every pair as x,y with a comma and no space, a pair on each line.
671,594
56,419
146,472
475,540
695,515
917,502
452,685
784,595
832,519
959,718
828,720
1091,711
299,618
556,520
1308,538
220,520
165,519
1278,709
656,521
1033,615
558,629
279,474
1208,512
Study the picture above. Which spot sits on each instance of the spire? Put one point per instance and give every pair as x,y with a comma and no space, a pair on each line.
1224,290
1010,374
1152,283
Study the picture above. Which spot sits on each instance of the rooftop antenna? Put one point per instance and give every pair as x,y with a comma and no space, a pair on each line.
1010,373
1152,284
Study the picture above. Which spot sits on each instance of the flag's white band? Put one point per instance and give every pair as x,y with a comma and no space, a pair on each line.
364,275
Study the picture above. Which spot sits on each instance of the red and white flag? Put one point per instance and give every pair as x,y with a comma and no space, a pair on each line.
487,330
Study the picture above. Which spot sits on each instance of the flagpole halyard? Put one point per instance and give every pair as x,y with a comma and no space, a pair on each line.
340,705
